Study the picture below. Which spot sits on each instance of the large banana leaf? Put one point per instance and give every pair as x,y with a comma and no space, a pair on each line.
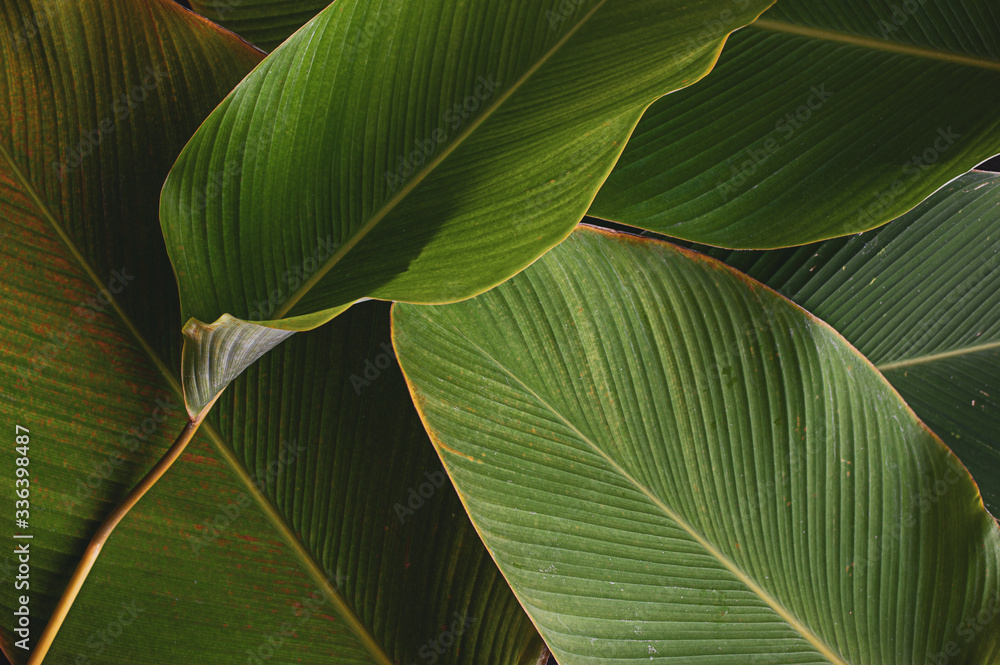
284,532
265,23
83,386
369,500
824,118
427,162
920,297
672,462
98,152
327,534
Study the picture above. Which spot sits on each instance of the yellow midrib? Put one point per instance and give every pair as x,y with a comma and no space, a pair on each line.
934,357
786,615
421,175
308,562
875,44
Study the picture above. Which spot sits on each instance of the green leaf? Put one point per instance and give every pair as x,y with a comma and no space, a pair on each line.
824,118
920,297
278,532
328,531
670,461
93,112
427,161
368,497
265,23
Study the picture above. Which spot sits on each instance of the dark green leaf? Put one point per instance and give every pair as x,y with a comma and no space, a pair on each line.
920,297
265,23
670,461
277,535
824,118
422,152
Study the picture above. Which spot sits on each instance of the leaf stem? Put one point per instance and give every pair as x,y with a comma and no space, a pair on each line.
103,533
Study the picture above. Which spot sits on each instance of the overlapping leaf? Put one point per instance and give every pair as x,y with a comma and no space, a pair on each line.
368,499
421,152
824,118
96,154
920,297
99,413
265,23
671,462
278,535
329,533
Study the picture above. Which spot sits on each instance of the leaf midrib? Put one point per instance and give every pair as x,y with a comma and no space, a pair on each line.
935,357
775,25
761,23
302,554
421,175
786,614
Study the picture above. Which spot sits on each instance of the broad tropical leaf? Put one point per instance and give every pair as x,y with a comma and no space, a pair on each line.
265,23
327,533
427,162
368,497
824,118
96,155
283,533
99,413
920,297
670,461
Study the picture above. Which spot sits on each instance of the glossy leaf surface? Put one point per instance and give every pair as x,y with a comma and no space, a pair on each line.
277,535
824,118
426,162
670,461
920,297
